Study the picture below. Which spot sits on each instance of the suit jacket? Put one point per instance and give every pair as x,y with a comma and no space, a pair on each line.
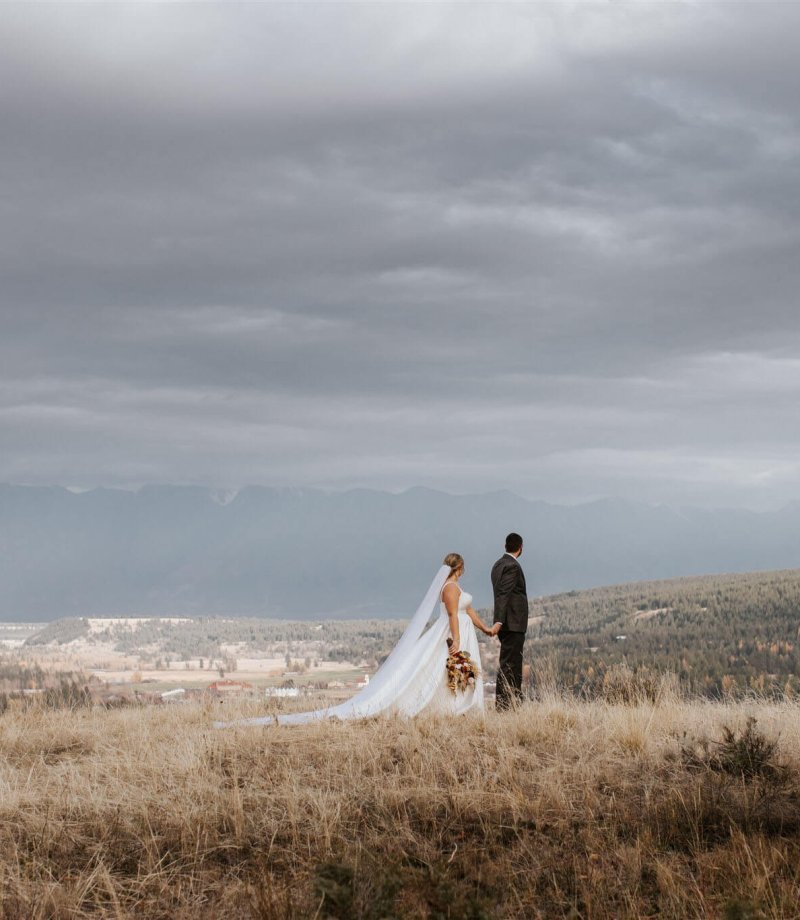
510,597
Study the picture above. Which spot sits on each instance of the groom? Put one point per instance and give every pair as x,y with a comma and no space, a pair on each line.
511,611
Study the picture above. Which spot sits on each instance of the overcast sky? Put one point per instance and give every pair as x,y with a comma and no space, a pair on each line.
549,248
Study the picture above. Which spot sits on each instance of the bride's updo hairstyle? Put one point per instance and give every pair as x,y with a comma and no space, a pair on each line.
455,561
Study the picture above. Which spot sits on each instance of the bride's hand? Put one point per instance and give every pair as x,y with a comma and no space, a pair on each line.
495,629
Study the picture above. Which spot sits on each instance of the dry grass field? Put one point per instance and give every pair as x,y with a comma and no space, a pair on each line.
562,809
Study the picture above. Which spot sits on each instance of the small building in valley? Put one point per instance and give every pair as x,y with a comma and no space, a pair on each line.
227,687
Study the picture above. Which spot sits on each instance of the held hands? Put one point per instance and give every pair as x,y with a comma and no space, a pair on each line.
495,629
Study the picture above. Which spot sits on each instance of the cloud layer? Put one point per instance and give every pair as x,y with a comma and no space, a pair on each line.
550,248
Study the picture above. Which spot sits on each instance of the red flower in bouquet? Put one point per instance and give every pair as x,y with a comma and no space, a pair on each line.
461,672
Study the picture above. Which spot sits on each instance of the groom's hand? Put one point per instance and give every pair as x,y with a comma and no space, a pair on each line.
495,629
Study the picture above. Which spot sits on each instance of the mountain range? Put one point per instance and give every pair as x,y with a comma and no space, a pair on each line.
185,550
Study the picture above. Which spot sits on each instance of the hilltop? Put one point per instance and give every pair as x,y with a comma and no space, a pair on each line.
562,809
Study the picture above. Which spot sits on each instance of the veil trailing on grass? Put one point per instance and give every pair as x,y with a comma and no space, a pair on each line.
390,680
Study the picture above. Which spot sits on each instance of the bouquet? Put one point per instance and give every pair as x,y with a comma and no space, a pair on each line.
461,672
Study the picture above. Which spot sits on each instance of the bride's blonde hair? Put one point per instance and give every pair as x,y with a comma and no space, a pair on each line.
455,561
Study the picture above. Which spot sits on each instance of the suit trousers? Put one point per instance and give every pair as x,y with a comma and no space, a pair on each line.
509,673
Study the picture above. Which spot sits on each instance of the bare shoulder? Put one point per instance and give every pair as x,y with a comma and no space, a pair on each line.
450,589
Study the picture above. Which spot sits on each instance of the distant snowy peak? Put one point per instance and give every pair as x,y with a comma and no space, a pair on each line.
223,496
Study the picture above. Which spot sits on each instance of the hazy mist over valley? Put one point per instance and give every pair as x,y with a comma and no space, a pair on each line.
176,550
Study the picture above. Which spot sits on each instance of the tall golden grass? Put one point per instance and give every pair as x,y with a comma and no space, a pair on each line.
559,809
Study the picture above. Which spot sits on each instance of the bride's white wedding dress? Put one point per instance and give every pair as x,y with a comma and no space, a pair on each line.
413,679
427,686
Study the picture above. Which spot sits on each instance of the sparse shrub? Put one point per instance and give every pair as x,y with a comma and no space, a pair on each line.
747,754
738,909
333,886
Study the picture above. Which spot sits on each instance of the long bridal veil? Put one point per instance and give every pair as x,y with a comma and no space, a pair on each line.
390,679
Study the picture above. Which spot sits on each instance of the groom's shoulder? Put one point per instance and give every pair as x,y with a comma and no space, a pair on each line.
502,561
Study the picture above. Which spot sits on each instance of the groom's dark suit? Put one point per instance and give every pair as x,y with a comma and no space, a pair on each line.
511,610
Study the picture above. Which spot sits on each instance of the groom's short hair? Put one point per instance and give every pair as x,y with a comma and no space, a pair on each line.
513,543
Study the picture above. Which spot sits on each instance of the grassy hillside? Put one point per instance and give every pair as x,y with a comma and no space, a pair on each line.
562,809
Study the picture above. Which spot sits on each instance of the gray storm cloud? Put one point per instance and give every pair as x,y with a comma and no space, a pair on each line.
550,248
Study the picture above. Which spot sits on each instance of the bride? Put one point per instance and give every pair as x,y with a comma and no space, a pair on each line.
416,676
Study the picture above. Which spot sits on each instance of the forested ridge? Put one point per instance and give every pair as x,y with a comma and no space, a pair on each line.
717,633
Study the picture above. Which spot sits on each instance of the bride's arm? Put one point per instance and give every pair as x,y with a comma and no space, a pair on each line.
450,598
479,624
